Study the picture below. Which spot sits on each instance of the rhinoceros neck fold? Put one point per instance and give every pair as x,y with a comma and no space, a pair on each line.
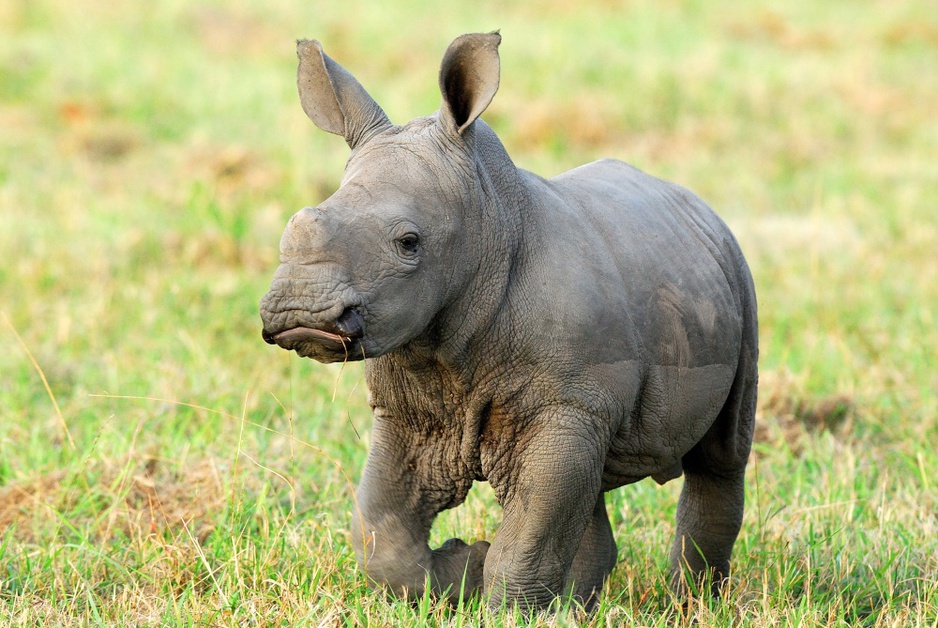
474,321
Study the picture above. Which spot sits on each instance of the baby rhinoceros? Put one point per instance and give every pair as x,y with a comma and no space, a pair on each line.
557,338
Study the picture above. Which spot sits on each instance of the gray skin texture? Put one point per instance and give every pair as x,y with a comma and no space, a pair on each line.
557,338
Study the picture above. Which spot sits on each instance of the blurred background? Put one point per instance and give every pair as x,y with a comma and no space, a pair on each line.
151,153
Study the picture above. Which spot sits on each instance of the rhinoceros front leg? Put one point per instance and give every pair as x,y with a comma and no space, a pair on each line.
402,490
594,559
549,495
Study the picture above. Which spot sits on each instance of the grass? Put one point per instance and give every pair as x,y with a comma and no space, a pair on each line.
159,465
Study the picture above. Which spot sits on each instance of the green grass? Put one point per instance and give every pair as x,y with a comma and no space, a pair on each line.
183,473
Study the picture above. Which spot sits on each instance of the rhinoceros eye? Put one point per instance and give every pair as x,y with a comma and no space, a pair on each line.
408,243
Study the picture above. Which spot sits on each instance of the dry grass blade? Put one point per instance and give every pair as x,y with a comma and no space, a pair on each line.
58,412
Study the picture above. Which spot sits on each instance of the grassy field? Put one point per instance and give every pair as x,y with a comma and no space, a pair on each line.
160,465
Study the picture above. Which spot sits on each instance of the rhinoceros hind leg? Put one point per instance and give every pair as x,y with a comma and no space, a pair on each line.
709,515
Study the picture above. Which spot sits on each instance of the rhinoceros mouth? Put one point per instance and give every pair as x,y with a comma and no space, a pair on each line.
340,339
289,338
319,344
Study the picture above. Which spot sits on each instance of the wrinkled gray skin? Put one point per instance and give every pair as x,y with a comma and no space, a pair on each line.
557,338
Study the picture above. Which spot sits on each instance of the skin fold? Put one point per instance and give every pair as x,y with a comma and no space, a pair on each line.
557,338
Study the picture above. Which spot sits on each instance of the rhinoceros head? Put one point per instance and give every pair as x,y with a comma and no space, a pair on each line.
370,268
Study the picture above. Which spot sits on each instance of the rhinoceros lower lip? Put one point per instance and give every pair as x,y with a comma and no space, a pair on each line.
290,338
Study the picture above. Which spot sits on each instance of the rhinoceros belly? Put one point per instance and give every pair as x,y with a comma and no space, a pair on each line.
675,408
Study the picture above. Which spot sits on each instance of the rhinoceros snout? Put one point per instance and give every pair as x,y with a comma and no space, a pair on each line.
350,323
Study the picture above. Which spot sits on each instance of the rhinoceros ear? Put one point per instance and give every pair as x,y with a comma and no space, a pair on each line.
469,78
333,99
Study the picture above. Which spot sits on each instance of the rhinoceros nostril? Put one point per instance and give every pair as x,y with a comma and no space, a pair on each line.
350,323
